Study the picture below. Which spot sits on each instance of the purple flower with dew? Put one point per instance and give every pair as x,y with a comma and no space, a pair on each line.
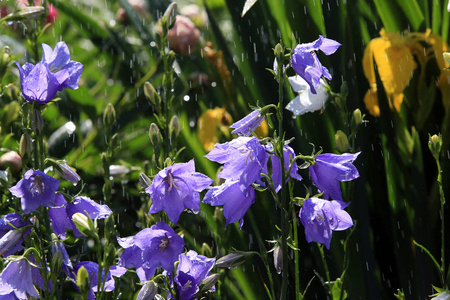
92,269
67,173
321,217
191,272
61,216
288,154
243,159
36,188
175,188
58,246
306,64
235,201
21,277
151,248
58,61
248,123
11,237
330,169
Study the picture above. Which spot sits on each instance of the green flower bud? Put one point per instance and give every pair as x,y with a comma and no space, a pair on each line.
168,162
233,260
279,53
56,264
341,141
28,13
154,134
278,259
109,116
37,122
170,15
357,118
208,283
170,59
144,181
150,93
174,127
25,147
83,223
83,281
435,145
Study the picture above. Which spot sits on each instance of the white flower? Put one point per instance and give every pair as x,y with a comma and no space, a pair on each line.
306,101
448,6
442,296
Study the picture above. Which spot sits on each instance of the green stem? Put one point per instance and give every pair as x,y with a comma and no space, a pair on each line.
296,257
442,199
324,262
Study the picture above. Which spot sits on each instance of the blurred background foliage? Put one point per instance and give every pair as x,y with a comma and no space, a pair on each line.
394,202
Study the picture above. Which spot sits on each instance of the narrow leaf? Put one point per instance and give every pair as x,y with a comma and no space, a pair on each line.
248,4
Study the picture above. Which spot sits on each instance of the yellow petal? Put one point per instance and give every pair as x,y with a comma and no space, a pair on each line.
210,126
263,130
371,102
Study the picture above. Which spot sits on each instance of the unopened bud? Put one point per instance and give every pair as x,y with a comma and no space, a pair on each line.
174,127
148,291
67,172
82,222
233,260
357,118
37,123
110,227
208,283
11,160
170,57
170,14
154,134
9,240
28,13
341,141
26,146
144,181
279,54
56,263
435,145
109,116
150,93
168,162
83,281
278,259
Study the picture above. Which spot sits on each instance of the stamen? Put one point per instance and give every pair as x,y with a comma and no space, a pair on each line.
37,185
187,285
165,241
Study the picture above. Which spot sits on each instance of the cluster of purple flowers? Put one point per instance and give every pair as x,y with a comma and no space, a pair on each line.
52,74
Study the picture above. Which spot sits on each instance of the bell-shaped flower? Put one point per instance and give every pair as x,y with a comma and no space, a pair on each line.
20,277
36,188
244,158
58,61
321,217
191,272
61,216
11,237
175,188
330,169
235,201
306,101
92,269
288,154
67,267
151,248
306,64
248,123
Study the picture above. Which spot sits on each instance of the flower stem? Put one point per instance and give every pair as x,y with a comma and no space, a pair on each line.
296,257
442,200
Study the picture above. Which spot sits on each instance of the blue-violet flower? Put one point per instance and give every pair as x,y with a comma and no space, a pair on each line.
321,217
175,188
306,64
11,237
251,121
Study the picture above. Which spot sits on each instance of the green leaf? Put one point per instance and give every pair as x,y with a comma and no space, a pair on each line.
388,15
315,10
412,11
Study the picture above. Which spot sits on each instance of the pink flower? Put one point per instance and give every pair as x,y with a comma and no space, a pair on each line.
183,37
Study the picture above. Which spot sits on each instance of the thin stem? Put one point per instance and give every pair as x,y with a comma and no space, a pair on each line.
442,198
296,257
324,262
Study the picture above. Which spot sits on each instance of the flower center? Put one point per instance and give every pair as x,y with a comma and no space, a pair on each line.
54,68
37,186
165,241
187,285
171,181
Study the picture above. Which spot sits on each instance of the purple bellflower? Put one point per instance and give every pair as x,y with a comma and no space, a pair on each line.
235,201
20,277
36,188
321,217
243,159
175,188
288,154
251,121
92,269
54,73
58,60
191,272
58,246
306,64
11,237
151,248
329,170
61,216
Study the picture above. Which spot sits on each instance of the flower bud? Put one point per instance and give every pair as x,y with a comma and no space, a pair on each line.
26,146
144,181
279,54
37,122
83,281
110,227
170,14
174,127
83,223
118,170
154,134
11,160
168,162
233,260
208,283
278,259
109,116
28,13
435,145
150,93
66,172
148,291
9,240
183,37
56,263
341,141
